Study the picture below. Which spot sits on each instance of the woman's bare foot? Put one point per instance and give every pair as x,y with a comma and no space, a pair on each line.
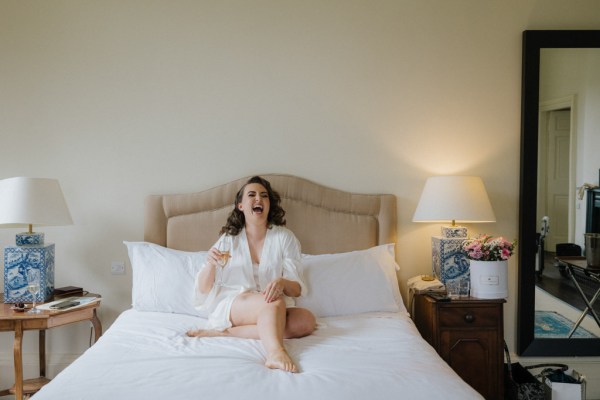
280,359
205,333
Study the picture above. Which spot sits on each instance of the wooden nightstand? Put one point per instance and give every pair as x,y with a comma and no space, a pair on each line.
18,322
468,335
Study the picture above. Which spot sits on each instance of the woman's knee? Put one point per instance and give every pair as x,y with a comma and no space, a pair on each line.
278,304
300,323
276,307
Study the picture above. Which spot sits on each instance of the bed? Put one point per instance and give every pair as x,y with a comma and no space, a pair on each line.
365,345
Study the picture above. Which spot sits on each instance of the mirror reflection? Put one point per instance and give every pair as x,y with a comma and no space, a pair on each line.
571,157
568,171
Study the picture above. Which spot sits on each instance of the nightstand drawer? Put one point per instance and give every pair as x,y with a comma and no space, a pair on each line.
468,317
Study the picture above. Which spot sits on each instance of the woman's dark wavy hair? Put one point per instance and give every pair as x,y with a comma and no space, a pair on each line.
236,220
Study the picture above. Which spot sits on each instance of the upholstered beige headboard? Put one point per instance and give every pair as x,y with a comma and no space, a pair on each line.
325,220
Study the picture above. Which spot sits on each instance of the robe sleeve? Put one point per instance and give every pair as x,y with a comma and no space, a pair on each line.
201,300
292,256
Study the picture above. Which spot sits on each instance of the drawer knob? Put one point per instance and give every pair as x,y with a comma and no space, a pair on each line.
469,318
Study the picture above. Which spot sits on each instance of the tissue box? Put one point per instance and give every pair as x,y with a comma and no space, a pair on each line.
449,262
19,259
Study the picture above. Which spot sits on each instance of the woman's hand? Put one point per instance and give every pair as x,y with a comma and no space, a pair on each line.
274,290
212,257
208,275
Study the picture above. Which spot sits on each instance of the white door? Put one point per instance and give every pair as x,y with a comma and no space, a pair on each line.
557,185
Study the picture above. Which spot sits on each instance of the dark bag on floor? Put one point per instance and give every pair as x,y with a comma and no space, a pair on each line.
520,384
568,249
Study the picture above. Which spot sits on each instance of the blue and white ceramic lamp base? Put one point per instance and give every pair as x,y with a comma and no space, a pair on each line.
29,253
29,239
448,261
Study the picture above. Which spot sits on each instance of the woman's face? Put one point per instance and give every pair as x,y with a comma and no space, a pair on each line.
255,203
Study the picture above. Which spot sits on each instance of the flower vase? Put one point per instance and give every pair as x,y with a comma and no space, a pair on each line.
489,279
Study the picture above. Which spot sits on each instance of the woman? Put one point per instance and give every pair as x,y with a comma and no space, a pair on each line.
259,280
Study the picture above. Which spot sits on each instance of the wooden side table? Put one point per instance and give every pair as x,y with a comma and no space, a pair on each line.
19,322
468,335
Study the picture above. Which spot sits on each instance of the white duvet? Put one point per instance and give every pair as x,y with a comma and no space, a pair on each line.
146,355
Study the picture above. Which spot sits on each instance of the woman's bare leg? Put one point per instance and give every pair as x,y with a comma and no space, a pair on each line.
206,333
253,318
299,322
244,332
270,318
271,325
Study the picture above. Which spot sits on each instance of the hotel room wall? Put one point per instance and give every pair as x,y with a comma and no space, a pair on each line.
122,99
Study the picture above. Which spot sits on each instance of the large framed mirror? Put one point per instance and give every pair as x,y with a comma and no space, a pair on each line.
560,91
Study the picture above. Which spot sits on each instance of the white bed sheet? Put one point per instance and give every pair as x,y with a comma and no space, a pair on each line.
146,355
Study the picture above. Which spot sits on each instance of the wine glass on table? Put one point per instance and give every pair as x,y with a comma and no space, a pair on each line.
224,248
33,287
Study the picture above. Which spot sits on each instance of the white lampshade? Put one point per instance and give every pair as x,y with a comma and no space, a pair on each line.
32,201
454,198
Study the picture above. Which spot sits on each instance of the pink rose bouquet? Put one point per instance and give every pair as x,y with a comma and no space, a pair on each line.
487,248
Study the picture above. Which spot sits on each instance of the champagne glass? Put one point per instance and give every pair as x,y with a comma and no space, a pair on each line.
33,286
224,249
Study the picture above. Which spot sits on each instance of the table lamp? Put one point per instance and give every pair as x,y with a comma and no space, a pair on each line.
30,201
450,199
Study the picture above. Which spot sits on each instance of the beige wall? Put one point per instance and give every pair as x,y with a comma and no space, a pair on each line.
121,99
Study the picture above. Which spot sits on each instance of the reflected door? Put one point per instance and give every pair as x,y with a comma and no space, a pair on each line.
557,185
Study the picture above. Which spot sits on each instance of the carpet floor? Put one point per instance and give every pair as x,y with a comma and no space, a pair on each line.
550,324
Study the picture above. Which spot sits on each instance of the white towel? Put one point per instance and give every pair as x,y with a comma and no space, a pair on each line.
418,284
581,190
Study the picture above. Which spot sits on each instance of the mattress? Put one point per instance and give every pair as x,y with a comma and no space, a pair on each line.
146,355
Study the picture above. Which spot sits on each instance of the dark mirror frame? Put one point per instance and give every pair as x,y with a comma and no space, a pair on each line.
527,345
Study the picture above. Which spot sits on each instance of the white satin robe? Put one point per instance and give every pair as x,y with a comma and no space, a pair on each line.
280,258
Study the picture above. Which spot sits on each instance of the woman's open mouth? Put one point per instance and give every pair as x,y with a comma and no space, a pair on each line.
258,209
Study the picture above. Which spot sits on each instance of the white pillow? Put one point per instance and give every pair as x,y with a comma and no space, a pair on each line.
351,283
163,279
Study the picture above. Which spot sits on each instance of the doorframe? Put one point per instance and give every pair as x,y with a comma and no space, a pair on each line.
545,107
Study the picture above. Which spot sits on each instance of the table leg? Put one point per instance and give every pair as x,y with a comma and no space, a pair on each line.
589,305
97,326
584,313
18,359
42,351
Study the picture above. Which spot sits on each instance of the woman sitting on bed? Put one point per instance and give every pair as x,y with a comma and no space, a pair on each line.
253,298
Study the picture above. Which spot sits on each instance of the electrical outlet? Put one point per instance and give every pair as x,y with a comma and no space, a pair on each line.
117,268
